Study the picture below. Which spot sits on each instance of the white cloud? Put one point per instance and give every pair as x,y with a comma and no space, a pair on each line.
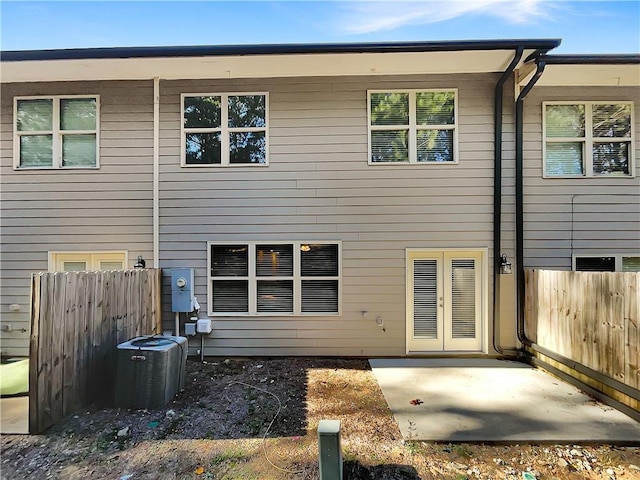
368,17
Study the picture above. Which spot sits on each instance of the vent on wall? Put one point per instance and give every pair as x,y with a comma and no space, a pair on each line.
595,264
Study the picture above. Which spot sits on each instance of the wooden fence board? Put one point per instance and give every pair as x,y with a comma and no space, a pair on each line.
617,346
43,400
632,334
77,320
34,349
588,314
68,331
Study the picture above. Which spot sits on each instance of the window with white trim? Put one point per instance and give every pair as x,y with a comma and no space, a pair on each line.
274,278
56,132
81,261
606,263
588,139
412,126
225,129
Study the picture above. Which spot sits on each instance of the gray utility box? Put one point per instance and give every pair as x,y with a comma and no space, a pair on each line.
151,370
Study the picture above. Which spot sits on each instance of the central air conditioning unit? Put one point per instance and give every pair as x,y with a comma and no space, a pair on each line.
151,370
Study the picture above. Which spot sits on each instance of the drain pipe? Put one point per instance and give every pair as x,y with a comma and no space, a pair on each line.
497,192
156,172
522,335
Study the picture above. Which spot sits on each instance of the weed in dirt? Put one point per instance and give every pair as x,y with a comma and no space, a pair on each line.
109,439
461,451
171,428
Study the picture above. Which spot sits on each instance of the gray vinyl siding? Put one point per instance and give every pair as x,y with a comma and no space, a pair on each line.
577,216
75,210
318,186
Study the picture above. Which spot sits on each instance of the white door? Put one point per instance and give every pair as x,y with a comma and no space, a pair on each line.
444,301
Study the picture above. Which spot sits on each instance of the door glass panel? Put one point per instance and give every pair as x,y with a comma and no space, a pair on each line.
110,265
463,298
74,266
425,299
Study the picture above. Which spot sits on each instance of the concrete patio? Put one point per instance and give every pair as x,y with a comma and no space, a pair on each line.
487,400
14,415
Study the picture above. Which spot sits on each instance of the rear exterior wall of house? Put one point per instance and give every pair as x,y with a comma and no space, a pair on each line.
319,187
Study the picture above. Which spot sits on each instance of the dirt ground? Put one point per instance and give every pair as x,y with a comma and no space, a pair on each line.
214,428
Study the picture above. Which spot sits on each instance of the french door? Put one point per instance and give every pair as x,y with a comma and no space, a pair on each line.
445,301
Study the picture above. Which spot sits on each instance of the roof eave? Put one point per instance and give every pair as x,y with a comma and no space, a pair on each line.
273,49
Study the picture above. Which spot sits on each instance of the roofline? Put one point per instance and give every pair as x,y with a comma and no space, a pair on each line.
273,49
604,59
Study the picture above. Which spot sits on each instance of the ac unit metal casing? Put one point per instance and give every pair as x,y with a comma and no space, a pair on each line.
151,370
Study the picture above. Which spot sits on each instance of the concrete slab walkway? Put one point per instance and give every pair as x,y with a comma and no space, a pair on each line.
14,415
486,400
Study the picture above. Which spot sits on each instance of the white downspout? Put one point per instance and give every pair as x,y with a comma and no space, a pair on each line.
156,173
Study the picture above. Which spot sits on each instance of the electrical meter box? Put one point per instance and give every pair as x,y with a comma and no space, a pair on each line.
182,299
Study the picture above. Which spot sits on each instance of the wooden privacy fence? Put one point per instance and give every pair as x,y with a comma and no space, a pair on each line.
77,321
591,318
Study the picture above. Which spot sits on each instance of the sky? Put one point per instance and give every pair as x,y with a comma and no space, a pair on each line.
584,26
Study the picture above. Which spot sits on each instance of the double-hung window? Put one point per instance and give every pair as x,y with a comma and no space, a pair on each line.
588,139
274,278
413,126
225,129
56,132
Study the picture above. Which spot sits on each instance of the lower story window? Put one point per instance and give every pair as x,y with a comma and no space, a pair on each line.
274,278
606,263
81,261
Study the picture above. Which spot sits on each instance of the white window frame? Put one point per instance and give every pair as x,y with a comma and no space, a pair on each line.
617,257
588,140
224,130
252,279
92,258
413,127
56,133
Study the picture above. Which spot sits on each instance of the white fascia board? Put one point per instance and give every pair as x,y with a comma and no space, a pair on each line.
590,75
258,66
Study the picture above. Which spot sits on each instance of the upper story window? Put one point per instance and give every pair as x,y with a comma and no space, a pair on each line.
56,132
225,129
413,126
588,139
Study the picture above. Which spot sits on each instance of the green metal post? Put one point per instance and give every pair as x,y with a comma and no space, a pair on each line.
330,457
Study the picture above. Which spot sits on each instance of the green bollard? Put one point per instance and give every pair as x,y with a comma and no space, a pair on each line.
330,457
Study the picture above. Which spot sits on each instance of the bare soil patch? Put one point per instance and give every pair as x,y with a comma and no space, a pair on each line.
214,428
